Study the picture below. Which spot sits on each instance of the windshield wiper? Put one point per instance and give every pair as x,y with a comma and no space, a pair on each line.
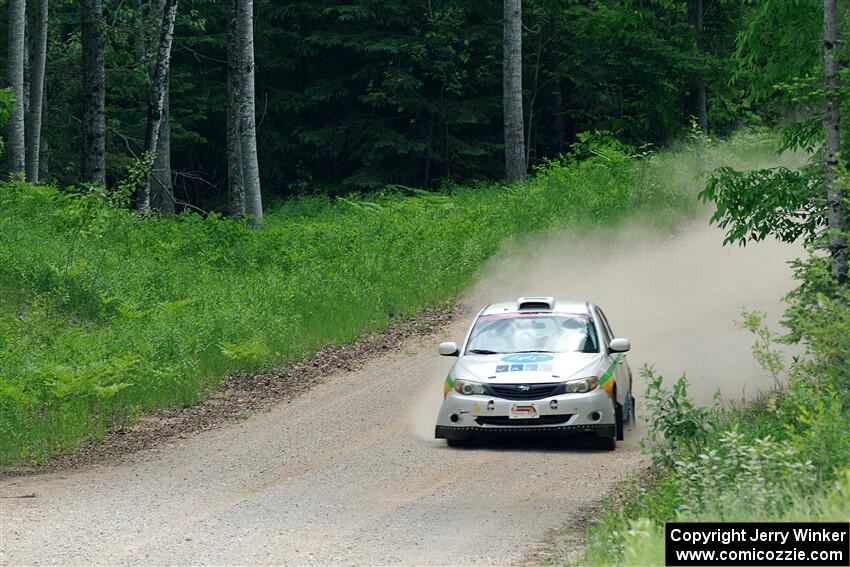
535,351
482,351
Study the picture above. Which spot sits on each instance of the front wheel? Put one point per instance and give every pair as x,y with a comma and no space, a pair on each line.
459,443
618,420
606,443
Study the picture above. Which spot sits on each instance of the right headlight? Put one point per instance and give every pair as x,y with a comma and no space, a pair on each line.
468,388
581,386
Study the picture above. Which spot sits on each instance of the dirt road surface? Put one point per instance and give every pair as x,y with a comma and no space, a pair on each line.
347,473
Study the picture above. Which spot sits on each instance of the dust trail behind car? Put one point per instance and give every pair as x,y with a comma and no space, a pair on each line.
676,292
677,296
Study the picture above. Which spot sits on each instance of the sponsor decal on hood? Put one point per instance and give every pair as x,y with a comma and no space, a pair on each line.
565,366
528,357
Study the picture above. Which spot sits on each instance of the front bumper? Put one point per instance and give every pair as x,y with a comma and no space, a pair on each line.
462,417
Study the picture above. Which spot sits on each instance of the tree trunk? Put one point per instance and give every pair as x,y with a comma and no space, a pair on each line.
139,34
234,139
28,25
94,92
535,90
831,123
512,90
15,143
36,110
695,13
159,87
44,150
161,183
560,130
247,118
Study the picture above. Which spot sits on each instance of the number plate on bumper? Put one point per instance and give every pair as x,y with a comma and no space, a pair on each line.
524,411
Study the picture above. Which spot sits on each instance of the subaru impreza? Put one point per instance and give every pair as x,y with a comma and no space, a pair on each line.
537,365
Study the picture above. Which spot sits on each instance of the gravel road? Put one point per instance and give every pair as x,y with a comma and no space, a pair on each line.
347,473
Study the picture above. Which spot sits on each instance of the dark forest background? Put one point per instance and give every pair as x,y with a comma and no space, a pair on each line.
354,96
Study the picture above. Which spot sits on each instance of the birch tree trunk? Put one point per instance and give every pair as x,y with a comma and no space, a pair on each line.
15,142
247,116
161,183
159,86
699,96
36,110
162,186
94,92
512,90
836,218
234,139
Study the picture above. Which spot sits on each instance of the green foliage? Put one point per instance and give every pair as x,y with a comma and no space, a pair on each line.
677,428
359,94
784,457
755,205
781,66
7,103
769,51
112,313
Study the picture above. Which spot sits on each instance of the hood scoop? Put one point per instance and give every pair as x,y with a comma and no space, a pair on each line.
535,303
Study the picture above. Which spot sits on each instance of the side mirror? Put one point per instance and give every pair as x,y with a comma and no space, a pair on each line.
620,345
448,348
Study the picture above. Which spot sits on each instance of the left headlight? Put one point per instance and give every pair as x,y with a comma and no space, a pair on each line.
581,386
468,388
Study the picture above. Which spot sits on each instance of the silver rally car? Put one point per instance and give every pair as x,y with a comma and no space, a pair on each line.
537,365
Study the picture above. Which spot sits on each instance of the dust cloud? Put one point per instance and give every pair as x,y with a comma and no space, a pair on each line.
677,293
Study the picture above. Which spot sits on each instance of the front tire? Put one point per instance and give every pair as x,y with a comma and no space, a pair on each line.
618,420
459,443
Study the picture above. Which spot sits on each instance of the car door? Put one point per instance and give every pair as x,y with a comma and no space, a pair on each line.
622,372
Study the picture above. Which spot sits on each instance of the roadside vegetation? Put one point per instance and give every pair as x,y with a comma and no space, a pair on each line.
784,457
106,314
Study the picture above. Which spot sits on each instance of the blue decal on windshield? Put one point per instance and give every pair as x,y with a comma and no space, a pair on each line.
545,368
502,368
531,367
516,367
528,357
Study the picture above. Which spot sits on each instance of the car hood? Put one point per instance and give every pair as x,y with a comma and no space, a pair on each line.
528,368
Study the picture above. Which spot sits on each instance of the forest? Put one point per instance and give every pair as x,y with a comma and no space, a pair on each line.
187,182
354,96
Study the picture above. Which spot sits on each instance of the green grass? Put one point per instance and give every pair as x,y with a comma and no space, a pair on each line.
785,458
105,315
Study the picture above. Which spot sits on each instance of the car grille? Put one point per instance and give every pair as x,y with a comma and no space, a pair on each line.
542,420
519,391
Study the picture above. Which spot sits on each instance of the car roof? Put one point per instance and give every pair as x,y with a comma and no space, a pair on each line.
558,305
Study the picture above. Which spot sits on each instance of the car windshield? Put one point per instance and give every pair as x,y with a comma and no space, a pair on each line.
533,332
